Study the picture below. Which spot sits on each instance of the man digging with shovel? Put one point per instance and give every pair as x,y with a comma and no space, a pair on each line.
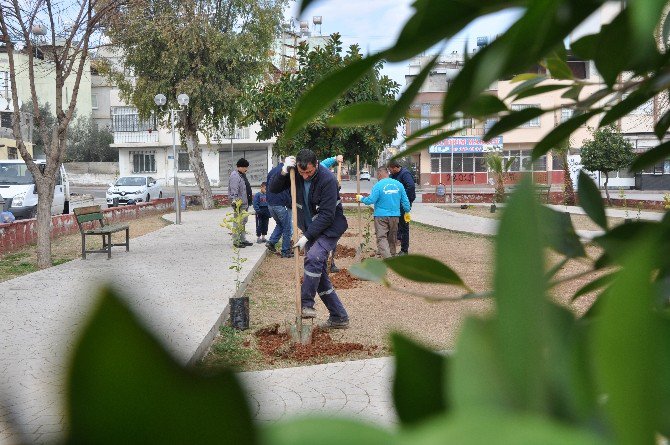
322,222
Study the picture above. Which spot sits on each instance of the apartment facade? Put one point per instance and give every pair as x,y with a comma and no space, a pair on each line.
462,155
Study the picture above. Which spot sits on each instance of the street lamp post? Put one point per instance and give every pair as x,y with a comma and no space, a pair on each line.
182,100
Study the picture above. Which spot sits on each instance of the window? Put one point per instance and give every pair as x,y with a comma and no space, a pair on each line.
94,101
480,163
468,163
183,164
535,122
516,155
566,114
5,85
435,163
557,162
143,161
127,119
12,153
414,125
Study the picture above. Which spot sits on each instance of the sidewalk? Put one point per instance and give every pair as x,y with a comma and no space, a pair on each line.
177,279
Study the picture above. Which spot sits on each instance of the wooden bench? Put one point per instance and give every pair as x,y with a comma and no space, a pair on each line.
541,191
86,218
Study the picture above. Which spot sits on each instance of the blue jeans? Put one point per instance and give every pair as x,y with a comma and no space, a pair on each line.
316,278
283,228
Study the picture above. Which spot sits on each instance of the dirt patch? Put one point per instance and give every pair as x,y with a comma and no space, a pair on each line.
375,310
345,252
275,344
343,280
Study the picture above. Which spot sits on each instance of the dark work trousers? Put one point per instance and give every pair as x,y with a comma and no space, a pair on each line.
262,220
403,232
283,229
316,278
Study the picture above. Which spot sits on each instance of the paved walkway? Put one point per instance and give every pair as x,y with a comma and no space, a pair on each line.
178,280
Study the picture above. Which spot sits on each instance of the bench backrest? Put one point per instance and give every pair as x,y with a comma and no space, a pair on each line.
88,213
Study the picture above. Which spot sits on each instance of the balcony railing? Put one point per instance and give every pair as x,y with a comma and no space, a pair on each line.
135,137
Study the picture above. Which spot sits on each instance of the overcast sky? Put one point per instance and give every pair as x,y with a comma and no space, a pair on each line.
375,24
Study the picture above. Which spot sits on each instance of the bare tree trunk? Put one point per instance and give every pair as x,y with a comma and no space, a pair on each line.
568,188
195,160
45,191
607,192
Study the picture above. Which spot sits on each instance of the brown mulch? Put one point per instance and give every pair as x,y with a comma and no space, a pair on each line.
343,279
274,344
345,252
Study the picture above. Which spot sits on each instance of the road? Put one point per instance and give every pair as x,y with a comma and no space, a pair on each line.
98,191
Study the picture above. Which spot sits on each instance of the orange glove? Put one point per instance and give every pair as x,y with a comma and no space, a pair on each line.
407,218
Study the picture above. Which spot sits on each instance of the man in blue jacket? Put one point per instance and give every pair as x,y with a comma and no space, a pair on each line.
400,173
322,222
388,196
279,205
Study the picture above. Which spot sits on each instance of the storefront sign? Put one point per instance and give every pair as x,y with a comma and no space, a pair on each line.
466,145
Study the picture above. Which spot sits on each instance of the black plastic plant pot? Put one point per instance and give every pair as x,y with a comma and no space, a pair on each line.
239,313
493,208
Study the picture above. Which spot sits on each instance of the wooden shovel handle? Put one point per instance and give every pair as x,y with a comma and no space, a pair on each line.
296,250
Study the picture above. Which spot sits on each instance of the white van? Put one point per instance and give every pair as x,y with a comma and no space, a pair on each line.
17,188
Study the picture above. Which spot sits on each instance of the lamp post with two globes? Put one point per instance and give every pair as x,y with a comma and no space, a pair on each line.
182,100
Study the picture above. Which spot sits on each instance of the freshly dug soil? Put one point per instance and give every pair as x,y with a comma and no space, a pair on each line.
275,344
343,280
344,252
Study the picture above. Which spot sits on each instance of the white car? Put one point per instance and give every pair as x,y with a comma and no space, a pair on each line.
365,175
133,189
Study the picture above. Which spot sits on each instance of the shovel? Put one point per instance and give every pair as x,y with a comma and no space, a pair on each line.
300,332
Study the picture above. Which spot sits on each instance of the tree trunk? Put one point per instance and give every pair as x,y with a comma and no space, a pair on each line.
607,192
45,193
568,188
195,160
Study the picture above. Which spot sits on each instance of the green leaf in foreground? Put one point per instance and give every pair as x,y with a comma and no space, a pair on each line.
124,388
325,431
364,113
326,92
476,427
651,157
418,395
627,348
370,269
423,269
591,200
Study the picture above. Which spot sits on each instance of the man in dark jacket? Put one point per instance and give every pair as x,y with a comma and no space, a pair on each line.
322,222
400,173
279,205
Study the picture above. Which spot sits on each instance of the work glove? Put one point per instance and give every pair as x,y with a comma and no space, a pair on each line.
339,158
359,198
301,243
289,162
407,218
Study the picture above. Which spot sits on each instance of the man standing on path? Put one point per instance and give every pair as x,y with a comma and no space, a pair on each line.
240,195
279,205
401,174
387,195
322,221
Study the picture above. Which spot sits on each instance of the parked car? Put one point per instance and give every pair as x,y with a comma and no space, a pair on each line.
133,189
365,175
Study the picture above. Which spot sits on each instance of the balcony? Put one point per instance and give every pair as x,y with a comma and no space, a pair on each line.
135,137
6,130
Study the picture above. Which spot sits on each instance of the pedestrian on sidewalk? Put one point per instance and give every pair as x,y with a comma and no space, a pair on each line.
279,205
388,197
322,221
260,204
240,195
400,173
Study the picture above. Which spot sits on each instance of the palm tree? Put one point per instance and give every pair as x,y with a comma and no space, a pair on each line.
499,166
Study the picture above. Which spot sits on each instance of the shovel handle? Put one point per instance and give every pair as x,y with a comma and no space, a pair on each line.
296,251
339,172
